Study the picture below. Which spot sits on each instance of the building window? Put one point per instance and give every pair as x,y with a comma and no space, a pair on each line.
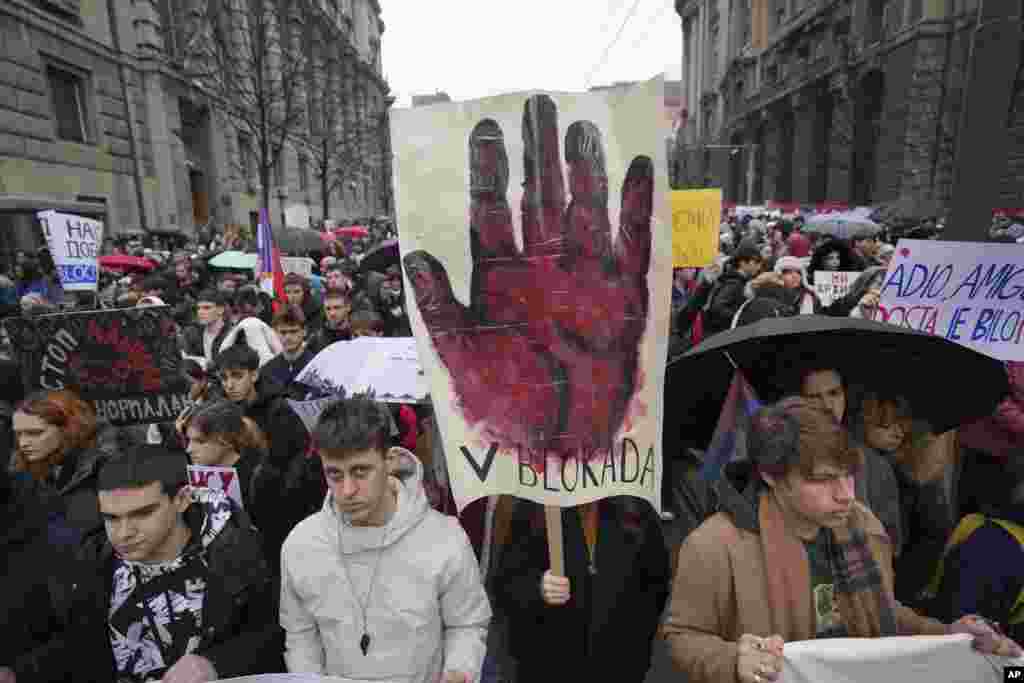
303,173
745,22
780,13
68,92
245,157
279,170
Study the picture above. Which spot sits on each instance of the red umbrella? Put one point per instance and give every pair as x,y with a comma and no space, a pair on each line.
125,262
351,231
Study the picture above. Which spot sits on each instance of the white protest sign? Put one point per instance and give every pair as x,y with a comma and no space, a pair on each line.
309,411
908,659
297,264
830,285
74,243
217,478
969,292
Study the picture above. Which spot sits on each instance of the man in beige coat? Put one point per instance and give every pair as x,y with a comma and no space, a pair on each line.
795,558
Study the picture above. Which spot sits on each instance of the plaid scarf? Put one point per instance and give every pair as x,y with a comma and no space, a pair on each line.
865,599
867,605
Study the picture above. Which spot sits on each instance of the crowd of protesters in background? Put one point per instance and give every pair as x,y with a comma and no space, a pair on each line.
344,556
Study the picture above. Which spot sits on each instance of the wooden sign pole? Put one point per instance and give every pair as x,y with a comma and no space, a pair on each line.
553,517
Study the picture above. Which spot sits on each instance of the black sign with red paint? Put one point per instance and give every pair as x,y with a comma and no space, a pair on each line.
126,361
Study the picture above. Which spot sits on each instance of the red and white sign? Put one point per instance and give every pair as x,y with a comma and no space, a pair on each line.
217,478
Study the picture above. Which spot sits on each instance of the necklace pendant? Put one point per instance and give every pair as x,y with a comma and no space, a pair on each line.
592,569
364,643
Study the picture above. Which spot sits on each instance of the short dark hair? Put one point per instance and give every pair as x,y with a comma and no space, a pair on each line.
367,318
212,296
353,424
747,252
795,433
238,356
297,279
291,316
154,282
800,367
336,293
140,465
248,295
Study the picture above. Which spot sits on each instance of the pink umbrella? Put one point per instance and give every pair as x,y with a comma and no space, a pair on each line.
351,231
126,263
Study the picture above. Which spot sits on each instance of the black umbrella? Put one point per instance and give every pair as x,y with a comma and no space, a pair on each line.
299,240
947,384
381,258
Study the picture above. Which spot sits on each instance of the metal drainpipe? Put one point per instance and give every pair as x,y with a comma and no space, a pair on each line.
943,95
122,70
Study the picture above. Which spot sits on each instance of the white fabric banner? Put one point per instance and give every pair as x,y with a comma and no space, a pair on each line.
906,659
74,243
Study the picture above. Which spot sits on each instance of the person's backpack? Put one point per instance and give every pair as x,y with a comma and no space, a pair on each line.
968,525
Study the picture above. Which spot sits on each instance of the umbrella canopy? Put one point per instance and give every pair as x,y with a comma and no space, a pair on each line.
389,366
123,262
381,258
908,210
842,225
234,260
351,231
926,369
298,240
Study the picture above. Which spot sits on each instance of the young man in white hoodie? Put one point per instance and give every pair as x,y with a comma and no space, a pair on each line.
378,585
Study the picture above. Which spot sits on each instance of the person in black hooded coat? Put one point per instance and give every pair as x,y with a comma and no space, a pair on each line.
287,463
35,544
617,565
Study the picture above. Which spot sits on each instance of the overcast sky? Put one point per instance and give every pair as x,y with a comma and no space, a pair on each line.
476,48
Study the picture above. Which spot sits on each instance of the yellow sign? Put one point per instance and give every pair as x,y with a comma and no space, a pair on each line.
696,217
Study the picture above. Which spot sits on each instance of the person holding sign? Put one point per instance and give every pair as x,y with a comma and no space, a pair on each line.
798,558
377,585
220,436
598,621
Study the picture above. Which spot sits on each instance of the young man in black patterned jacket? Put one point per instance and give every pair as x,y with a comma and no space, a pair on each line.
176,589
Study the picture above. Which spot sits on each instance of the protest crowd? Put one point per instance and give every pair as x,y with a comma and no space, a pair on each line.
338,551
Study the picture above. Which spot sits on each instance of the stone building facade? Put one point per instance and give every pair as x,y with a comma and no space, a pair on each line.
97,118
853,101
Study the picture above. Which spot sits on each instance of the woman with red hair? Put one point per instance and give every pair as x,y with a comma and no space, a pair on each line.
55,435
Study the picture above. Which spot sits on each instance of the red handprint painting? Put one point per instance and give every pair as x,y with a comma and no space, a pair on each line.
546,368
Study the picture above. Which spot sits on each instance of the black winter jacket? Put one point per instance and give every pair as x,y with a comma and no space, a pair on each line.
297,479
726,299
241,634
192,340
605,631
36,546
282,372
